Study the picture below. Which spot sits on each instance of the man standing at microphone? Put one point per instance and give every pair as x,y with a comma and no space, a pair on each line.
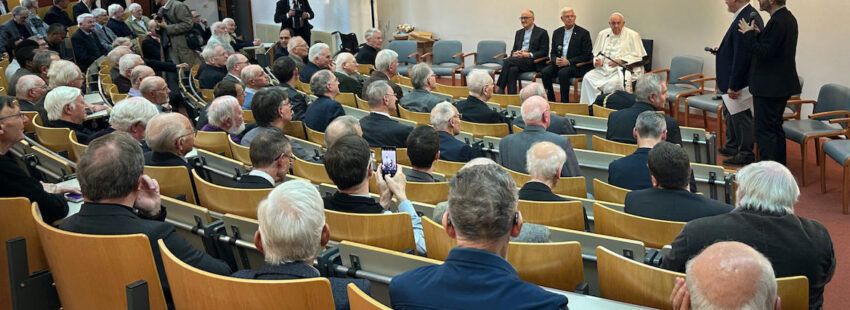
773,75
733,75
570,46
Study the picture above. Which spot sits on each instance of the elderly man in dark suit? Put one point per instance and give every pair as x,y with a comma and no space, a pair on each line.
631,172
325,109
530,43
170,137
86,47
513,148
369,49
378,128
15,29
386,67
319,58
651,92
129,203
570,46
271,156
773,75
116,22
544,162
473,108
289,17
764,219
56,14
558,124
446,120
669,198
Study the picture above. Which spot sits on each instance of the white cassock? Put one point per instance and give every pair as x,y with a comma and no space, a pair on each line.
626,46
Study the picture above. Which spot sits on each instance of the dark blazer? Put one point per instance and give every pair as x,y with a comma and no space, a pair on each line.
352,204
113,219
63,50
9,32
79,9
377,75
294,271
538,44
160,159
348,84
580,48
18,183
474,110
280,51
676,205
297,100
322,112
631,172
617,100
57,15
794,245
513,147
557,124
252,181
382,131
120,28
208,75
83,133
417,176
366,55
469,279
536,191
283,8
733,55
153,56
307,72
452,149
621,123
123,84
773,72
86,48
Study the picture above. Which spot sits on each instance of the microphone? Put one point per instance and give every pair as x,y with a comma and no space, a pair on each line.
710,50
753,16
560,49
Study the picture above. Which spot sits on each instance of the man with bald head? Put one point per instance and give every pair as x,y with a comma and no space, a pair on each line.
114,58
544,161
558,124
170,137
298,50
342,126
620,43
154,89
513,148
30,90
138,74
727,275
530,42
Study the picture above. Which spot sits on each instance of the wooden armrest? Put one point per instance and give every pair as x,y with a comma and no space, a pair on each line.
692,93
840,120
541,59
457,55
474,57
703,80
666,72
502,55
691,76
828,114
800,102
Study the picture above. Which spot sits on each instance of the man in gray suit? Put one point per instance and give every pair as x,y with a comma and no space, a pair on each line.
512,149
557,125
424,81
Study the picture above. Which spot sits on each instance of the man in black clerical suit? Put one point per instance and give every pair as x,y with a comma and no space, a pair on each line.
651,94
271,155
530,43
368,51
57,14
571,46
378,128
773,75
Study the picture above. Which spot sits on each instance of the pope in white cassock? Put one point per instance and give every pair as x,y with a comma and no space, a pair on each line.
619,43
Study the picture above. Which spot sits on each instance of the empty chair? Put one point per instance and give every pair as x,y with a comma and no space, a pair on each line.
710,102
683,70
446,58
430,193
603,145
562,214
408,54
174,182
625,280
839,151
358,300
192,288
242,202
489,55
240,153
654,233
389,231
555,264
17,222
606,192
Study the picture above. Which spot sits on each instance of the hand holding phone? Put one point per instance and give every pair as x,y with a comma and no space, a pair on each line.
388,161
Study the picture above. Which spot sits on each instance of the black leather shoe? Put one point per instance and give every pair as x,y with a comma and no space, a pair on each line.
739,160
727,151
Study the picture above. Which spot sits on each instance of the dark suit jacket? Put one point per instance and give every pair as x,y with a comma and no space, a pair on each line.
631,172
322,112
252,181
381,76
470,279
283,8
382,131
512,149
352,204
160,159
580,48
18,183
123,84
208,75
79,9
294,271
113,219
794,245
536,191
86,48
120,28
83,133
474,110
297,100
63,50
733,55
153,56
348,84
307,72
366,55
9,33
773,72
453,150
676,205
280,51
58,15
538,44
621,123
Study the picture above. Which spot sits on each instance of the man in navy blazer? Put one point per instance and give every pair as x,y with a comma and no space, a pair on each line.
631,172
57,14
530,43
733,75
567,52
325,109
475,275
378,128
446,120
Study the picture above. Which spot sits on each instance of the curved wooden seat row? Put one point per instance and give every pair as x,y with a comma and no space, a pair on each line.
388,231
173,181
608,146
214,141
654,233
606,192
239,201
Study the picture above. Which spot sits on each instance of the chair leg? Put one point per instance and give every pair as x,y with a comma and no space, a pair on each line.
687,112
821,156
704,119
803,155
818,160
844,186
720,123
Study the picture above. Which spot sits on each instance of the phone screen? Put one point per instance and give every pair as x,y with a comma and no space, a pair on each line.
74,197
390,166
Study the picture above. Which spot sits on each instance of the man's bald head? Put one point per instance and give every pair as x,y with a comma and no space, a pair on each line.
533,89
544,161
731,275
535,111
170,133
340,127
478,161
138,74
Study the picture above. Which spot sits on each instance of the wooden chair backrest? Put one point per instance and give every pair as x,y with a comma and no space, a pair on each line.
571,108
555,264
625,280
603,145
361,103
173,181
248,117
479,130
358,300
430,193
240,153
793,292
29,126
239,201
610,193
402,158
295,129
438,243
316,173
602,112
77,148
214,141
563,214
192,288
418,117
578,141
569,186
455,91
91,271
315,136
348,99
389,231
365,69
303,87
402,80
448,168
208,95
654,233
505,100
55,139
17,222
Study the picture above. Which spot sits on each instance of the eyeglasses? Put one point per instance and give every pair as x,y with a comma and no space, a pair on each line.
525,17
569,16
194,132
20,115
284,154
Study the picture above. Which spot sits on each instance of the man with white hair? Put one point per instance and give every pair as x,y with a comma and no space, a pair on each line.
105,35
254,79
114,58
170,137
325,109
340,127
298,51
319,58
85,43
378,128
271,156
225,115
221,36
651,94
235,63
125,66
214,68
131,115
283,43
727,275
64,73
116,22
138,74
15,29
764,219
571,46
30,90
617,42
66,108
544,161
57,14
446,120
236,42
154,89
137,22
34,22
559,124
350,81
367,53
424,81
513,148
473,108
386,66
289,253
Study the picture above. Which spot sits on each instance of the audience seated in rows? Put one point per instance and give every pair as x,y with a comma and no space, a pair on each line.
557,124
482,217
341,127
36,25
325,109
114,58
669,198
424,81
319,57
350,81
57,14
513,148
289,253
631,172
170,137
446,120
764,219
18,182
103,34
386,67
225,115
369,49
378,128
651,93
66,108
298,50
272,111
423,150
473,108
254,79
235,63
214,69
349,165
132,116
271,156
25,55
137,75
285,70
125,66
